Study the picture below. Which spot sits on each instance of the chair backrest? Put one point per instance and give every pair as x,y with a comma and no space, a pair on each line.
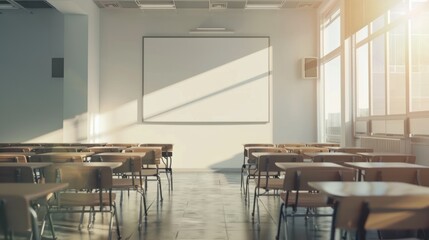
283,145
297,178
102,149
153,154
393,158
130,164
322,144
406,175
166,147
394,215
267,163
6,158
10,174
340,159
255,145
355,150
58,149
79,176
252,159
303,150
56,158
15,214
125,145
382,213
15,149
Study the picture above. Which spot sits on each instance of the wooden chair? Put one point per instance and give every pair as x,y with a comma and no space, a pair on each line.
13,158
338,158
392,215
284,145
88,187
267,174
128,176
16,216
298,194
246,156
250,167
150,163
362,213
56,158
394,158
167,159
406,175
22,174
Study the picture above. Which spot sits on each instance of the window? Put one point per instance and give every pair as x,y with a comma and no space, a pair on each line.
331,33
362,73
330,63
332,76
378,76
420,63
397,78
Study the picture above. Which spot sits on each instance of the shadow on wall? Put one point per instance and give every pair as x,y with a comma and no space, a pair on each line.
232,164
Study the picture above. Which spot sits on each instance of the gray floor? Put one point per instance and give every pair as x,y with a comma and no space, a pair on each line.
202,206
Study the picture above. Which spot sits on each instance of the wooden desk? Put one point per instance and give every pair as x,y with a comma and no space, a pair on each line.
258,154
112,165
368,166
33,165
351,195
285,166
18,197
52,155
384,156
105,149
334,155
350,149
125,155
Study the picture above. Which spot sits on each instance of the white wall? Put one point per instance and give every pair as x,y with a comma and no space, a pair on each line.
31,100
218,145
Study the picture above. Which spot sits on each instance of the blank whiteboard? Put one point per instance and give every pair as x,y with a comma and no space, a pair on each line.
206,79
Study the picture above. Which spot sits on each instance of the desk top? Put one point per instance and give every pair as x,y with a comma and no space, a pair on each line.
33,165
258,154
287,165
313,154
29,191
368,189
112,165
378,154
69,154
125,154
374,165
18,153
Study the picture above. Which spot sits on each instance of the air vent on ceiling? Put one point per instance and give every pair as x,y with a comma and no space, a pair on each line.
111,5
218,5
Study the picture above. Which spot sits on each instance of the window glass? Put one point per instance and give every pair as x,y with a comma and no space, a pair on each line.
332,34
397,80
332,76
377,24
378,76
362,81
420,63
362,34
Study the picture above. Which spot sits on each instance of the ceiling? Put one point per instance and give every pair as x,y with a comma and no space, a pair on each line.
215,5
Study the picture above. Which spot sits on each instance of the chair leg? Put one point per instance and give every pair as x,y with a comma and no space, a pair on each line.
255,202
280,221
81,219
51,223
118,231
34,226
160,188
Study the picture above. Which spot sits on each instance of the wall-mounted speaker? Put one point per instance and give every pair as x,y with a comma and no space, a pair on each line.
309,68
58,67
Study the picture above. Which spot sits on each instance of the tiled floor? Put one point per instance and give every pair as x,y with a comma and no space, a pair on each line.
203,205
